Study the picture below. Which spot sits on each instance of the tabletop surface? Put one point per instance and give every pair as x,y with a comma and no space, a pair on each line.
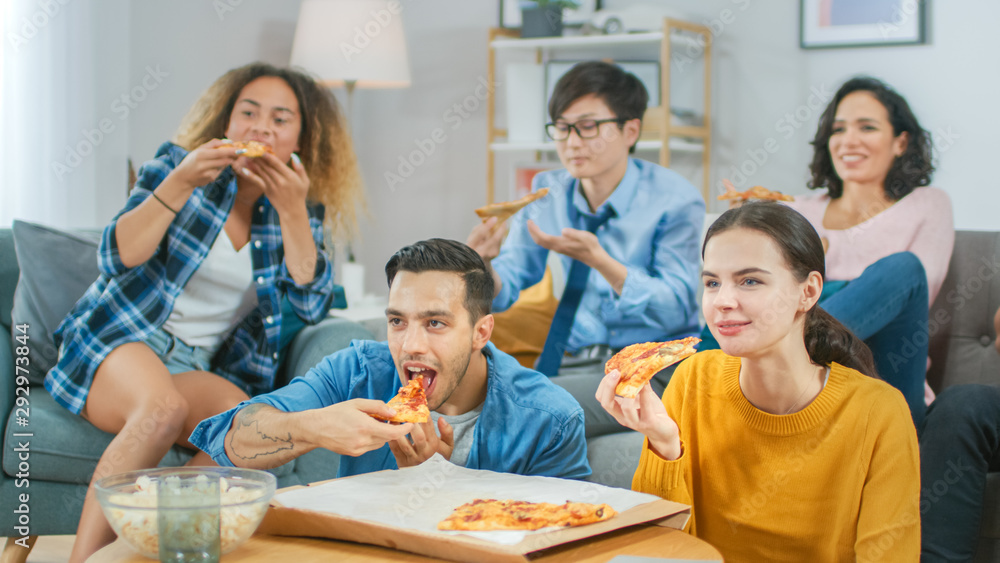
642,540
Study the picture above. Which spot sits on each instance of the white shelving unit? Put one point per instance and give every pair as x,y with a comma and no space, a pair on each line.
684,37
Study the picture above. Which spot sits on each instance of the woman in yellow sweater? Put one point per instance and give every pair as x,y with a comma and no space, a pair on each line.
784,448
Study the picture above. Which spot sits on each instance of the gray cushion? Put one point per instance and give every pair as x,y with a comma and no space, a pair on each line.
961,319
56,269
71,457
614,458
8,274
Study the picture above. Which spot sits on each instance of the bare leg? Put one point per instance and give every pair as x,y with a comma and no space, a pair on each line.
207,395
135,397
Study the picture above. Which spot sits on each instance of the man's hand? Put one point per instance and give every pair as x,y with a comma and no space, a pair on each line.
347,428
425,443
645,414
577,244
486,238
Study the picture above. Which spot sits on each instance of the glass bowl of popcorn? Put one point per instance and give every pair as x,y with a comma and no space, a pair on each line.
193,506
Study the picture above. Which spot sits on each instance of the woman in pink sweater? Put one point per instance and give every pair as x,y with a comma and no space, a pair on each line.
888,235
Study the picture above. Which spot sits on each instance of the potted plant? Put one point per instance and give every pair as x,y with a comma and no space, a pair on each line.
543,18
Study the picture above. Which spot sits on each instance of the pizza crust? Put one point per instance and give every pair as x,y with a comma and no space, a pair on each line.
254,149
756,192
638,363
504,210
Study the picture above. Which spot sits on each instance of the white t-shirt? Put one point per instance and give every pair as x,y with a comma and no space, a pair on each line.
218,295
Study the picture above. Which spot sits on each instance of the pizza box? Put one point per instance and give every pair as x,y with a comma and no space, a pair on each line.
400,509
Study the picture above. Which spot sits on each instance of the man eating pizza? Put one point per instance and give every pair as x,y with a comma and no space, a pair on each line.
626,231
491,413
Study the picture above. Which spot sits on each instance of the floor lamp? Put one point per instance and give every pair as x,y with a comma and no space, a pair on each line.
356,44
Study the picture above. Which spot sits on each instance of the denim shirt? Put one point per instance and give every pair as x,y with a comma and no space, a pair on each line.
528,426
655,233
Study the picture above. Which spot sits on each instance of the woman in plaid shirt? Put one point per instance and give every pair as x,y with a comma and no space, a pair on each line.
184,321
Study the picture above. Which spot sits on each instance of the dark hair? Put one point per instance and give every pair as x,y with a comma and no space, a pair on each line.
826,339
911,169
621,91
442,255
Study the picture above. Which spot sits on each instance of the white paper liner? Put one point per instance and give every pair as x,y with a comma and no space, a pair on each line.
419,497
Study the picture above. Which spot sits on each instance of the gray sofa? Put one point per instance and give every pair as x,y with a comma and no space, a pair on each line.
962,347
63,448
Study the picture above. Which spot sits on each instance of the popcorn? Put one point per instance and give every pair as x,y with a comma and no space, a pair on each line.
134,515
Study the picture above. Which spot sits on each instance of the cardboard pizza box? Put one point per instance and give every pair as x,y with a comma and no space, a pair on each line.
299,521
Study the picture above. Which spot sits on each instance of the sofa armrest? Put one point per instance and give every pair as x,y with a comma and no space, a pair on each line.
313,343
7,372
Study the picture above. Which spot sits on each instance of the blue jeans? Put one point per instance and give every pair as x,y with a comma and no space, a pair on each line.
959,445
886,306
176,355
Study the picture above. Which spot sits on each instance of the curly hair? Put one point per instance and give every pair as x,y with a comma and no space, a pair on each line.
911,169
325,145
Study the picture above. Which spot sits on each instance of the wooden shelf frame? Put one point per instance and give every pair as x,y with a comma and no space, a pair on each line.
671,137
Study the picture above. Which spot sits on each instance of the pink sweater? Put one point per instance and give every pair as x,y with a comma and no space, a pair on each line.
921,222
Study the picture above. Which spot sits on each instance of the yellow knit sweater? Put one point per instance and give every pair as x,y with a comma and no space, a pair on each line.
836,481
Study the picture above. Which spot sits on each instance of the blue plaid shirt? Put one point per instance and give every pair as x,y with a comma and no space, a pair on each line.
128,304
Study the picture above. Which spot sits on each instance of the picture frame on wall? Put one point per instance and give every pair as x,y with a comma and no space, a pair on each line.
648,72
827,24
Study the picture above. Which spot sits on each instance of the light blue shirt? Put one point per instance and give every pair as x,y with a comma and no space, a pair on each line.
528,425
655,233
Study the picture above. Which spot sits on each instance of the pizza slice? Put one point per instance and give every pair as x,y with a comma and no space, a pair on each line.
503,211
638,363
491,514
252,149
410,403
756,192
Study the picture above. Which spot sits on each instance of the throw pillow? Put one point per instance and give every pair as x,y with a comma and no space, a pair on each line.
57,267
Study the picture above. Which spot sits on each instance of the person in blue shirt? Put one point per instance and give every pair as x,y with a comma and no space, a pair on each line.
632,226
491,413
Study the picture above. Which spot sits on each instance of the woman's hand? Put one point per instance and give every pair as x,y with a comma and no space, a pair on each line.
204,164
645,414
286,188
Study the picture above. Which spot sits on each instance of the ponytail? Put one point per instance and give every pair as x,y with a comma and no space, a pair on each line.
827,340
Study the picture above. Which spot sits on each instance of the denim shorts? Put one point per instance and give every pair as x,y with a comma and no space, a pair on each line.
176,355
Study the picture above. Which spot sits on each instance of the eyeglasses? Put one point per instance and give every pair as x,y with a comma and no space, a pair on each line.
585,128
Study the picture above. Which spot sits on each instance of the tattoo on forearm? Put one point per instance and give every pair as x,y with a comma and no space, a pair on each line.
267,445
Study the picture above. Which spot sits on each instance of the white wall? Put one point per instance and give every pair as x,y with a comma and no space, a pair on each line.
952,85
761,82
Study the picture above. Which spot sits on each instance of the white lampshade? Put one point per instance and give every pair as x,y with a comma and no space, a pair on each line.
356,42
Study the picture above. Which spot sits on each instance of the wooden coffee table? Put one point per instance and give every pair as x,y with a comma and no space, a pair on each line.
642,540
